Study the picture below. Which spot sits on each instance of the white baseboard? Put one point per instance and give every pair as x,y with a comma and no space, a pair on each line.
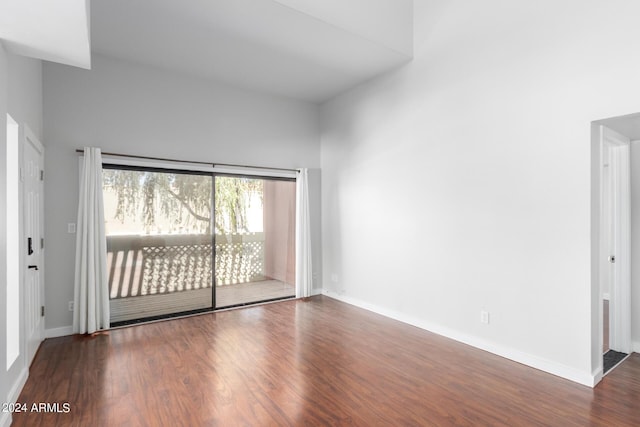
588,379
58,332
12,396
597,376
635,347
14,393
5,419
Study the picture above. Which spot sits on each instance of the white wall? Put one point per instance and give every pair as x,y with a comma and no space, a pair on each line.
134,109
25,92
21,97
635,245
461,182
4,377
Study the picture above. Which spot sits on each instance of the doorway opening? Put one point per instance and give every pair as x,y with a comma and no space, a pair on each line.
616,195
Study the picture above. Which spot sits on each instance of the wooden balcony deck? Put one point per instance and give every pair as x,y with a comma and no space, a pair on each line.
243,293
138,307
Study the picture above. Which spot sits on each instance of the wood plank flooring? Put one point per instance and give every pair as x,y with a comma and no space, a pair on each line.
306,362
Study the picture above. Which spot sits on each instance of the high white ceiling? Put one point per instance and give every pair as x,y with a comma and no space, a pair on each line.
305,49
55,31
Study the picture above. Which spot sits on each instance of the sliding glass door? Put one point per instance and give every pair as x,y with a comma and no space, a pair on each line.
172,235
255,240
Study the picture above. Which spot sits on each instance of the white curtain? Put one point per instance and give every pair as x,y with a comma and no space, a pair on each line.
91,293
304,276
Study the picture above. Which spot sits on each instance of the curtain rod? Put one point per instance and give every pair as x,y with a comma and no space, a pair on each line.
81,151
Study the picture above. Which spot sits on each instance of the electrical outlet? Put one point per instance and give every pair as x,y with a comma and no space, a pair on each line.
71,228
484,317
70,305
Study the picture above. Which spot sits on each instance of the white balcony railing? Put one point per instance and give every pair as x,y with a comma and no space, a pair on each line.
159,264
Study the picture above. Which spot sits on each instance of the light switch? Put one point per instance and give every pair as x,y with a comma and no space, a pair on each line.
71,228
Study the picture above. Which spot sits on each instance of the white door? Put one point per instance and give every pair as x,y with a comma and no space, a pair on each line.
32,171
616,237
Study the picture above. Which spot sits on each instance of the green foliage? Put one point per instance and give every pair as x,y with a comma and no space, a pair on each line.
184,199
232,201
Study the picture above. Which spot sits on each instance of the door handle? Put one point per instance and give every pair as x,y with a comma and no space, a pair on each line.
35,267
29,246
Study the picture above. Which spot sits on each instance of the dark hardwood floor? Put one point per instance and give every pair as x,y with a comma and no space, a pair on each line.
313,362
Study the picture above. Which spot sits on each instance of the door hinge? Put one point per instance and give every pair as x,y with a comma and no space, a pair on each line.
41,175
42,311
42,243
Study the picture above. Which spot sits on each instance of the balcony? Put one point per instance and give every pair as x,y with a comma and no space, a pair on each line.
155,275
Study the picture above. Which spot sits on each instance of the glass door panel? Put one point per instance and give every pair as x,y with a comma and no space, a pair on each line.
254,240
159,242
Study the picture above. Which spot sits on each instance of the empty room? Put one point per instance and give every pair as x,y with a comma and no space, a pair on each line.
306,212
